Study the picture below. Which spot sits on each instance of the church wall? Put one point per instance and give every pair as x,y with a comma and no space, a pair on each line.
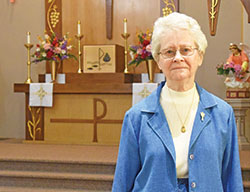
16,19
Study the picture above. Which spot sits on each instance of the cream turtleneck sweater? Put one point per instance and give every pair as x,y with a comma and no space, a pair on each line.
182,103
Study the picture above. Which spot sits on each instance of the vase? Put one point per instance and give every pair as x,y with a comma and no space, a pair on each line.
151,66
54,68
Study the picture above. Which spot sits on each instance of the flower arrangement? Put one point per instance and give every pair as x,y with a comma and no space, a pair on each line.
142,51
52,48
231,69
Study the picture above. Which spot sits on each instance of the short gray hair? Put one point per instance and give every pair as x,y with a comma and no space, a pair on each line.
177,21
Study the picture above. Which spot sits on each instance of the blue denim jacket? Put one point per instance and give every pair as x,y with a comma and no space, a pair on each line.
146,159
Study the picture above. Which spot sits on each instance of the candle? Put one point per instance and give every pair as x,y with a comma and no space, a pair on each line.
125,25
79,27
28,37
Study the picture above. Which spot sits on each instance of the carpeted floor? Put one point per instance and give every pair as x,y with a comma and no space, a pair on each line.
16,149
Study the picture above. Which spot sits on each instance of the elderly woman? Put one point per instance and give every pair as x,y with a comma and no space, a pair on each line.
181,137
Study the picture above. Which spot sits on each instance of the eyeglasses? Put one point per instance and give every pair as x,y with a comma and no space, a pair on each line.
170,53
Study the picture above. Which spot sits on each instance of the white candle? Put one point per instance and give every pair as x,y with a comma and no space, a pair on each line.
125,25
79,27
28,37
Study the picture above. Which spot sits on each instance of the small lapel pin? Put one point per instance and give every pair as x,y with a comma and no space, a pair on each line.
202,116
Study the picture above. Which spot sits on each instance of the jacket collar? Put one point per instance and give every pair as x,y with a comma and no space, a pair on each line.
153,101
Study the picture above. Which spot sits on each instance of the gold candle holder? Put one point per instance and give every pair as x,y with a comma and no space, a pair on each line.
125,36
28,46
79,37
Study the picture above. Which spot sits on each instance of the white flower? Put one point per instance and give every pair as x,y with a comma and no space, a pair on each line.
69,47
38,49
63,51
43,42
44,55
46,36
132,55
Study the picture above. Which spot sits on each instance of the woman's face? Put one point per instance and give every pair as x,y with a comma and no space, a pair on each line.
235,51
179,68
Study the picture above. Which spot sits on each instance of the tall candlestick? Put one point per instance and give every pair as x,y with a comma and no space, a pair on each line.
79,27
125,36
79,37
125,25
28,46
28,37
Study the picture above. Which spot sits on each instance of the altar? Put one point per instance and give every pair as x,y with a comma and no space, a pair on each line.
89,109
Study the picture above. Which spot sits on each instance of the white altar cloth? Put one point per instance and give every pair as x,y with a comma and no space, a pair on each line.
41,94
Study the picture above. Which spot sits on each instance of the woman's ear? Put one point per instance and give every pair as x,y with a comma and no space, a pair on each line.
159,66
201,58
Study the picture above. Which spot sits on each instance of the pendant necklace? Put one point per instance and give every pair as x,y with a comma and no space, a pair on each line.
183,128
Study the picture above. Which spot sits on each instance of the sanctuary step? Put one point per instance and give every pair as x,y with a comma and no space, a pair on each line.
43,167
27,167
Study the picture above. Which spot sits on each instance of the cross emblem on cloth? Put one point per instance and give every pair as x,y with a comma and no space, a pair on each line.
145,92
41,93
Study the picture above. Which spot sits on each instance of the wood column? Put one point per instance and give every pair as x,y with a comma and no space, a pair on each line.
53,20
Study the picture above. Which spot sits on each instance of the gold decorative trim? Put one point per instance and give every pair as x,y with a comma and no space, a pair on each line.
32,125
170,7
213,13
52,15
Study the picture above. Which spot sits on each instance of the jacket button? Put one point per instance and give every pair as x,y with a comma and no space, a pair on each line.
193,184
191,156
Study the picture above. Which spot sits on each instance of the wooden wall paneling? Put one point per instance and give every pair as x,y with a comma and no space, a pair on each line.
109,18
92,15
53,20
141,15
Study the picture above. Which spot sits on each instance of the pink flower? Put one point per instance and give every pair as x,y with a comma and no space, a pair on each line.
46,46
57,50
237,68
231,65
149,48
139,51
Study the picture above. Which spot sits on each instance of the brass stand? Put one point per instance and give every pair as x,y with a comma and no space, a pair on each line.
28,46
79,37
125,36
